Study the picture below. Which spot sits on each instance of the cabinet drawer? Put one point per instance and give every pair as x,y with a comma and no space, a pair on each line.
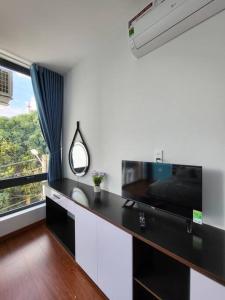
56,197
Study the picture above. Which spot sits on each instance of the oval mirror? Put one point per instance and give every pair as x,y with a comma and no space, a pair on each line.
78,156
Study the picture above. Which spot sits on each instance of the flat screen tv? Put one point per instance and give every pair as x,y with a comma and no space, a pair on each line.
173,188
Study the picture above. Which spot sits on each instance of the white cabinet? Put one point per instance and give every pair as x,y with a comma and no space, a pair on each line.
114,247
85,241
105,253
204,288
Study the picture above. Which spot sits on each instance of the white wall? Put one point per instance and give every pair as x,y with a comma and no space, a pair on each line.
82,96
172,99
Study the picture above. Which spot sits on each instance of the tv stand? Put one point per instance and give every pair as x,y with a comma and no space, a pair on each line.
130,205
168,263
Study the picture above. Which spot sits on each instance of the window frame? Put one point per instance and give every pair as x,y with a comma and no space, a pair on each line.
11,182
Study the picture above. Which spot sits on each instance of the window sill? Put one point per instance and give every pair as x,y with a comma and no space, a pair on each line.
22,218
22,211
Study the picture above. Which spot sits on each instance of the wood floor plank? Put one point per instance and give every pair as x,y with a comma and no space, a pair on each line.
34,266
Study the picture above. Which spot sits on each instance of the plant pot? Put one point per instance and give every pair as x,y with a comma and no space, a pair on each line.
97,189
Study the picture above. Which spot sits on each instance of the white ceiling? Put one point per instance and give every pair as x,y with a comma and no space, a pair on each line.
57,33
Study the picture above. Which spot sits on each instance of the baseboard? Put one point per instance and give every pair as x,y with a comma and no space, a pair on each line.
19,231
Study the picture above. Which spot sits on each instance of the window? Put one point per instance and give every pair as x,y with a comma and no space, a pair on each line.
23,151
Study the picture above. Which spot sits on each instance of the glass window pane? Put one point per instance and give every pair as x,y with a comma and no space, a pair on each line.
20,196
23,151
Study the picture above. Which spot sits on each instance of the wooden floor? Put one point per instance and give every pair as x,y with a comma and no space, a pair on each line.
33,265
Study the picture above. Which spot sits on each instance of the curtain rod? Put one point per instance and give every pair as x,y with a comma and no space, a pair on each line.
13,58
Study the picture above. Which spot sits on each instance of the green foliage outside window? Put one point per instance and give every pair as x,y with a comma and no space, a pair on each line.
18,135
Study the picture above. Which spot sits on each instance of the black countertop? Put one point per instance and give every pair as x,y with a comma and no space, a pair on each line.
203,250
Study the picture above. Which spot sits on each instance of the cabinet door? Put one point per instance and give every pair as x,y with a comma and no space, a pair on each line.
85,241
114,247
204,288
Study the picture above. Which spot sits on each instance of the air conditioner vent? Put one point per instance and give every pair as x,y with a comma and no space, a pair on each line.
5,86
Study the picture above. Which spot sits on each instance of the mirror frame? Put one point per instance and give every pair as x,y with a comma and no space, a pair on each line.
71,151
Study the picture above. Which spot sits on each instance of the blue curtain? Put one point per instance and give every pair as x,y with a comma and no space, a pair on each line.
48,91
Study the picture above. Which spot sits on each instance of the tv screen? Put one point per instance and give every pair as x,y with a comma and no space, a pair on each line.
173,188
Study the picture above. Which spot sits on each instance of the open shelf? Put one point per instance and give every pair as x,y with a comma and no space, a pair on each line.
160,275
141,293
140,289
61,224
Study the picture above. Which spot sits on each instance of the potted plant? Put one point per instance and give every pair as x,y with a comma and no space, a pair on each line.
97,178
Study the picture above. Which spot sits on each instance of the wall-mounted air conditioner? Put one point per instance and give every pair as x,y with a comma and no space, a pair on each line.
6,83
163,20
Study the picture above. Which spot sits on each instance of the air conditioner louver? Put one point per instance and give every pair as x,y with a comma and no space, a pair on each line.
5,86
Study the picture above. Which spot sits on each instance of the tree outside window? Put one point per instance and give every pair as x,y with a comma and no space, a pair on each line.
23,151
